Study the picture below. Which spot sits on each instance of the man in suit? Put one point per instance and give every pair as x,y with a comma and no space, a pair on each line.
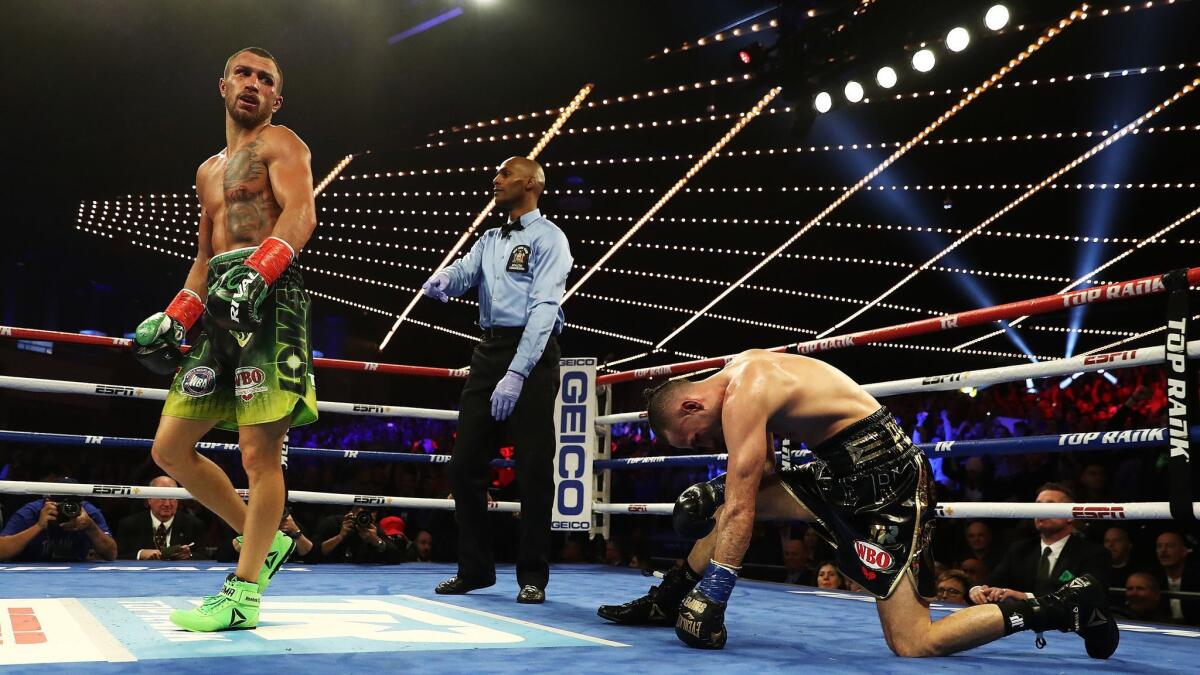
1177,573
165,533
1036,566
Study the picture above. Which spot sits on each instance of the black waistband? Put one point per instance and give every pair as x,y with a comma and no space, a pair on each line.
851,432
871,440
497,332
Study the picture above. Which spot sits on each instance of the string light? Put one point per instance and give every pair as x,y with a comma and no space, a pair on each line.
1187,88
1043,81
837,259
537,149
625,126
716,38
962,103
1089,277
760,152
329,177
622,98
679,184
670,308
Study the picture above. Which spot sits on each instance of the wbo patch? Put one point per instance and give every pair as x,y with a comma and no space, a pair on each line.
518,260
248,381
199,381
872,556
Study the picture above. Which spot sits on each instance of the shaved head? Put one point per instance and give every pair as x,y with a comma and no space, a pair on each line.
528,168
518,184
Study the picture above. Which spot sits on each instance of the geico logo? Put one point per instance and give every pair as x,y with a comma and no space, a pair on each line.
570,488
570,525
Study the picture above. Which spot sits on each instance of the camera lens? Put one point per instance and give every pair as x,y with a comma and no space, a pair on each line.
363,518
68,510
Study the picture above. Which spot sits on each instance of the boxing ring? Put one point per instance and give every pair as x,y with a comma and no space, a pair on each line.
111,617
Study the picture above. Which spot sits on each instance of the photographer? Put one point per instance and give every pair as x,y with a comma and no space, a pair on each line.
287,525
56,529
355,537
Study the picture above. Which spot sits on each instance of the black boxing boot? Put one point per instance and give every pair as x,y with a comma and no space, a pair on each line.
1080,606
659,607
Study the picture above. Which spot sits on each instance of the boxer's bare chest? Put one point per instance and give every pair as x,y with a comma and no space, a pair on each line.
238,198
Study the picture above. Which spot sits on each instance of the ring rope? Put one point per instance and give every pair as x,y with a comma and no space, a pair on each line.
1122,290
333,364
957,510
122,391
1131,439
989,376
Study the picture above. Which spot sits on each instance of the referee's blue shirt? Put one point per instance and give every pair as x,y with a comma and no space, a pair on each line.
521,278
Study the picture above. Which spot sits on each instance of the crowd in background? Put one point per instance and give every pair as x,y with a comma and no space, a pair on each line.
1145,558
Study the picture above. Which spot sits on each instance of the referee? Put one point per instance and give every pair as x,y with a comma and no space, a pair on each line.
521,270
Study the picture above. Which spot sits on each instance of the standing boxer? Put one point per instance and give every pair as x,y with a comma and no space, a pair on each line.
250,370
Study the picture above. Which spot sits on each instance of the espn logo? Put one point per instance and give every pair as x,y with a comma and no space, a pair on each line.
638,508
367,499
1098,512
112,490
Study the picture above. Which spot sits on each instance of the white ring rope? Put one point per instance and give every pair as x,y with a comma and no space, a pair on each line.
956,510
980,378
121,391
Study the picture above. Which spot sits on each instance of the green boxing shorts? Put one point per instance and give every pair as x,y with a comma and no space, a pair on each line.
240,379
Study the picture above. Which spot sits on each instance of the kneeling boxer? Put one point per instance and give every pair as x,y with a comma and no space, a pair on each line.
867,493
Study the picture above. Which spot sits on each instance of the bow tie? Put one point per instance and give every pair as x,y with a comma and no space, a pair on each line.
508,228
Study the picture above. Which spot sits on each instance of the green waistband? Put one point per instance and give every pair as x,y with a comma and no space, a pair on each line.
235,254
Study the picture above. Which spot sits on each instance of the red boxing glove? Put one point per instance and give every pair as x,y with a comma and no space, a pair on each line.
271,258
185,308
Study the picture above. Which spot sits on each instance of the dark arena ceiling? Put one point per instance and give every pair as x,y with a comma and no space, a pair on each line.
1068,171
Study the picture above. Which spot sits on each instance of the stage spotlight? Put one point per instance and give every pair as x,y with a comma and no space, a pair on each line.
958,39
749,57
923,61
886,77
823,102
996,17
854,91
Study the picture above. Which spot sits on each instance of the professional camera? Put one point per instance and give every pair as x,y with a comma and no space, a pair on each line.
69,509
364,518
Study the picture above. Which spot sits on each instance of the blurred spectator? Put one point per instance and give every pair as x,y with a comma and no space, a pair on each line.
41,531
354,537
975,570
795,564
1177,573
424,547
1120,552
829,577
979,544
1041,564
1093,484
952,586
1144,599
163,532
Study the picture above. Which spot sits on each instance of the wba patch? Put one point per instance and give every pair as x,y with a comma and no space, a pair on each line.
518,260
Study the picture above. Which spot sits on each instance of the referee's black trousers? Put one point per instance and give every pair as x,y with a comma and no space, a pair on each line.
531,427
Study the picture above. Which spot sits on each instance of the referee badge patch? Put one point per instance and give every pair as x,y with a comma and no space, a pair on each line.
518,260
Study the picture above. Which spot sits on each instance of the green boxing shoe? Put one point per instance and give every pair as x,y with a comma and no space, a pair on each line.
281,550
234,608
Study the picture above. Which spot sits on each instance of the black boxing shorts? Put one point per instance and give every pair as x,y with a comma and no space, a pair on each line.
869,490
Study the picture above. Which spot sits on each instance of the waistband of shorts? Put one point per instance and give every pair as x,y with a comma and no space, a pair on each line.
851,432
236,255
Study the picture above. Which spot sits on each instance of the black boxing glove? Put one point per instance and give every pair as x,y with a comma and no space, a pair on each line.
701,621
694,509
